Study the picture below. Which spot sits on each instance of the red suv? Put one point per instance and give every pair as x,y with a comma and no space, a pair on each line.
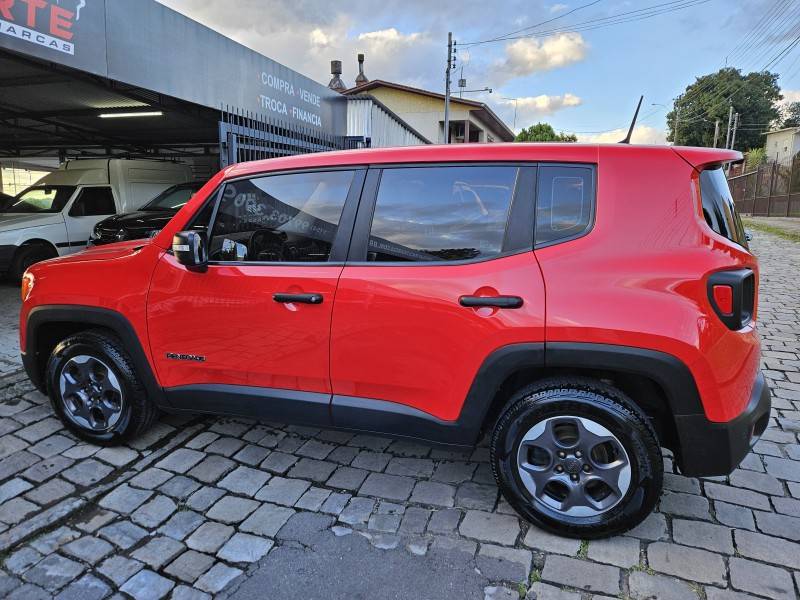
583,306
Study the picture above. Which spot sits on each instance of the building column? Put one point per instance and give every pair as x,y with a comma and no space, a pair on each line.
466,128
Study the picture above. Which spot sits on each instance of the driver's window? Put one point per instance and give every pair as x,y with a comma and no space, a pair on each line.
427,214
279,218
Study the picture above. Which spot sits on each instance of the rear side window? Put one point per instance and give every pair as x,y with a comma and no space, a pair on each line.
718,208
279,218
427,214
564,203
92,202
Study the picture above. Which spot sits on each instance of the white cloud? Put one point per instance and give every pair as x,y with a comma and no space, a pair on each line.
790,96
642,134
556,8
531,109
528,55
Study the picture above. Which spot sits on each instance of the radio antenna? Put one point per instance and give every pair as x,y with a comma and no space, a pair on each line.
627,139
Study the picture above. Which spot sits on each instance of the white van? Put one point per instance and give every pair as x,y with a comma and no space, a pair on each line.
56,216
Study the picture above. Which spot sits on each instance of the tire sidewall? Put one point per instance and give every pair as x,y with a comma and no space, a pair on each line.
645,486
83,344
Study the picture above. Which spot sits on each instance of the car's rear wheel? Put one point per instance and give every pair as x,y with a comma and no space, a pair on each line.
27,256
577,457
94,389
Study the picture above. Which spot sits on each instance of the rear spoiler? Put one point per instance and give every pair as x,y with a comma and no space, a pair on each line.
701,158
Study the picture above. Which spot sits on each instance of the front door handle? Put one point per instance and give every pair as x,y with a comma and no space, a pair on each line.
300,298
493,301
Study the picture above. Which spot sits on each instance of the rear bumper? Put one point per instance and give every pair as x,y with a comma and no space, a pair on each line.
6,256
709,448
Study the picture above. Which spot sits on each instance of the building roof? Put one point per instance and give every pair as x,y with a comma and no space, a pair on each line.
795,129
483,111
390,112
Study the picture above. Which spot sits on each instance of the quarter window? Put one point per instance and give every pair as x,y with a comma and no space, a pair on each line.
279,218
441,213
718,207
564,203
93,202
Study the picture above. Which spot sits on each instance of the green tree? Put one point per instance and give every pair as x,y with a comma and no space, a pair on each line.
754,96
544,132
791,115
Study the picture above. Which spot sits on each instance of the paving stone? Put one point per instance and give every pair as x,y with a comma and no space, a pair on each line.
644,586
391,487
125,499
180,460
203,498
95,519
19,461
782,468
117,456
685,505
335,503
702,535
787,506
305,528
451,545
146,585
53,572
29,592
738,496
618,551
82,450
343,455
87,587
181,524
779,525
490,527
52,541
732,515
433,493
313,499
212,468
158,551
209,537
548,542
278,462
759,482
454,472
544,591
21,560
384,523
713,593
39,431
244,480
201,440
10,445
179,487
371,442
767,548
50,491
12,488
151,478
119,569
495,592
761,579
347,478
473,495
251,454
415,520
51,446
687,563
88,549
154,512
189,566
123,534
581,574
444,521
226,446
315,449
231,509
217,578
280,490
315,470
15,510
498,563
411,467
357,511
267,520
371,461
244,548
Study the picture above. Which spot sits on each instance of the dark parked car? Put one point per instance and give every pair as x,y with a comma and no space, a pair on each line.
148,220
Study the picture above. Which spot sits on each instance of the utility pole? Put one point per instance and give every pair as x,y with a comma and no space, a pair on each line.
735,126
716,132
677,124
730,121
447,87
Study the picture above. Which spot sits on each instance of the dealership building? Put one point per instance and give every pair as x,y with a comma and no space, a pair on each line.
81,78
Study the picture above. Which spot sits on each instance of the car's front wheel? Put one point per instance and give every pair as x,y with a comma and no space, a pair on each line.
94,390
577,457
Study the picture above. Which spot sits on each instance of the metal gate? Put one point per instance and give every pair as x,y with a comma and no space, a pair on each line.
245,136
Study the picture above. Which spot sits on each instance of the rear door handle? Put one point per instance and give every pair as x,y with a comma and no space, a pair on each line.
493,301
300,298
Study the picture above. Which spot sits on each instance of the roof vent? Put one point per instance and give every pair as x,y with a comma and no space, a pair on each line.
336,82
361,79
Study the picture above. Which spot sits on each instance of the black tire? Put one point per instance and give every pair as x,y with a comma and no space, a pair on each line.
27,256
137,411
597,402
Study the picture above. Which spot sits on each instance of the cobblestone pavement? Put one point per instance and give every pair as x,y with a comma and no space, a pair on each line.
230,507
9,323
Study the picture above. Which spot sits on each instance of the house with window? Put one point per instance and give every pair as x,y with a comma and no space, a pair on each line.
782,144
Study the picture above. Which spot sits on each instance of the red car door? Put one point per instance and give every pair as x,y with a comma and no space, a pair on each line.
440,273
260,315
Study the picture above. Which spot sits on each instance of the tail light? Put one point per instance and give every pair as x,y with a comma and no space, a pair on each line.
732,296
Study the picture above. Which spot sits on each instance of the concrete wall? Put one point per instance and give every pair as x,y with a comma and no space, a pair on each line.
783,145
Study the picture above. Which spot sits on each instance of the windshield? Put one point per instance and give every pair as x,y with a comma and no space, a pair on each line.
40,199
172,198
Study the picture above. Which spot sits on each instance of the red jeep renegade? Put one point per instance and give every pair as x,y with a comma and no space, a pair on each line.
581,305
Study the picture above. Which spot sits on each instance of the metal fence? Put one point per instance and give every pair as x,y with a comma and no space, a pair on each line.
772,190
244,136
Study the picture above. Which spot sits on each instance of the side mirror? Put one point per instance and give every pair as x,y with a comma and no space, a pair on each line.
191,250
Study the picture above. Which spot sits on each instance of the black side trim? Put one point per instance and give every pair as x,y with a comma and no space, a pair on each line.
672,375
70,244
40,316
285,406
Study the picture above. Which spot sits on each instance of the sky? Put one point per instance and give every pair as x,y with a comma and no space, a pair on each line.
575,64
